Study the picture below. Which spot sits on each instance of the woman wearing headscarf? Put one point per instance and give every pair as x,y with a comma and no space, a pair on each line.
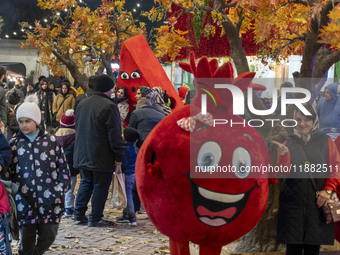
45,97
301,222
63,101
145,117
158,101
121,99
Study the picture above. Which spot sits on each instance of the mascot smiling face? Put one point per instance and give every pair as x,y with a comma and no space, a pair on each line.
207,209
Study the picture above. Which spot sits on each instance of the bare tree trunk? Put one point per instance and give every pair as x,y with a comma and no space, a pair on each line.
106,61
77,76
100,70
238,54
73,69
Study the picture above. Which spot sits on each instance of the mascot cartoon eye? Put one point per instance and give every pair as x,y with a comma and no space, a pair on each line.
135,75
242,162
124,76
209,154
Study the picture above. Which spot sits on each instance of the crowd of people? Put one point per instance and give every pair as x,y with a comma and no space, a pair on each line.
50,135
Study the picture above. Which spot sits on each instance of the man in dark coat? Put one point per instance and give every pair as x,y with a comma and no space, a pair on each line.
98,148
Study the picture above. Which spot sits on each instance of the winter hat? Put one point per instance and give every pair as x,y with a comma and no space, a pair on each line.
103,83
131,134
29,109
68,120
144,90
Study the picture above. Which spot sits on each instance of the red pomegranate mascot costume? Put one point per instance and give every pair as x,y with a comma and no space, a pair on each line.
201,208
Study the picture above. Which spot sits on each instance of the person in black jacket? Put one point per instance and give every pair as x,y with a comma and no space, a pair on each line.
301,222
145,117
98,148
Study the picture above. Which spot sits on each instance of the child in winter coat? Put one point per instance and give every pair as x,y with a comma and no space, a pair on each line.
130,136
39,168
66,136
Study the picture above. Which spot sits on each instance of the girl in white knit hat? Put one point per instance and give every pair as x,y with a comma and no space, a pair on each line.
40,169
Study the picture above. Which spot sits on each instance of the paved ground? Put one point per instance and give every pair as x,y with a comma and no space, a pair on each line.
116,239
77,239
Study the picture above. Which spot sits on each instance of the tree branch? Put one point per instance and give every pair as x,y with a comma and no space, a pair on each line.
325,11
333,57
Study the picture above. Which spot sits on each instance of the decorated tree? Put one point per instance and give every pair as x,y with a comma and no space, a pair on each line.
120,26
76,32
309,28
270,28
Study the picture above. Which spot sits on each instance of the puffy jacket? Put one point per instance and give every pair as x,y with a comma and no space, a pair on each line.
66,138
145,119
130,155
40,170
62,106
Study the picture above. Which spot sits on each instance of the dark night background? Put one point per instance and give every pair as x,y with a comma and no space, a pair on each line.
14,11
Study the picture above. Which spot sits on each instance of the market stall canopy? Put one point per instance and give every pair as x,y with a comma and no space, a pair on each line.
17,69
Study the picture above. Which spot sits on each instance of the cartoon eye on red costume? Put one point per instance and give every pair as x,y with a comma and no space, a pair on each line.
209,154
124,75
135,75
242,162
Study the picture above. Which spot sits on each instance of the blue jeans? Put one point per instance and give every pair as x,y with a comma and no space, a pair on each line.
129,181
69,196
95,184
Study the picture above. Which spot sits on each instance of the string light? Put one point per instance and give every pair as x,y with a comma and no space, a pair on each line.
14,33
58,13
22,30
134,10
45,20
30,27
138,5
7,36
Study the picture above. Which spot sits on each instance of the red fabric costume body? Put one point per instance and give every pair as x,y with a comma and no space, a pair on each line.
140,67
211,212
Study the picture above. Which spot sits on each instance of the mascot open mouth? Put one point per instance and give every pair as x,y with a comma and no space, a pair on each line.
216,209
